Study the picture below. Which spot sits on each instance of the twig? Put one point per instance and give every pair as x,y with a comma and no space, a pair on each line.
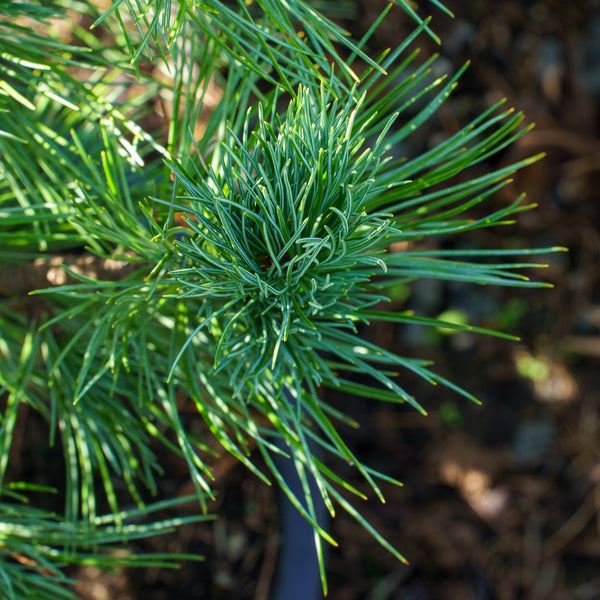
48,272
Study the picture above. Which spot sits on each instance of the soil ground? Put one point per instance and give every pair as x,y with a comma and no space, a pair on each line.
501,501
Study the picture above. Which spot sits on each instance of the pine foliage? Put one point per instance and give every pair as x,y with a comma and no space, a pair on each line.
232,264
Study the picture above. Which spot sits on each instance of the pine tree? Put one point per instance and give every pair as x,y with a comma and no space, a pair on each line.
225,254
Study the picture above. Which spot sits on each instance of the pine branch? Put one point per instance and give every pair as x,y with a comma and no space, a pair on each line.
233,268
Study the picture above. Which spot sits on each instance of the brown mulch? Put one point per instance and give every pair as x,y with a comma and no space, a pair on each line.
501,501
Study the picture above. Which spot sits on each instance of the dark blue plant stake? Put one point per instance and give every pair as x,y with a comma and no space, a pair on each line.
297,576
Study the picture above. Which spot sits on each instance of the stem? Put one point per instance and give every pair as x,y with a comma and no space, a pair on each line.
298,576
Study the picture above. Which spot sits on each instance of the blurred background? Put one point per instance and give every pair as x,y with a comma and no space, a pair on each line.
501,501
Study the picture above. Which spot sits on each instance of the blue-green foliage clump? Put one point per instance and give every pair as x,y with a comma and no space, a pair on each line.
281,245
